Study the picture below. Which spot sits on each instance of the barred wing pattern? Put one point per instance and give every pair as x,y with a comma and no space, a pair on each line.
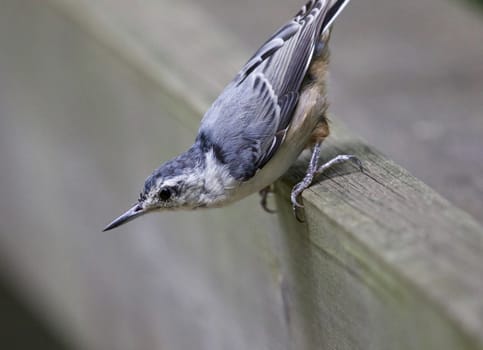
248,121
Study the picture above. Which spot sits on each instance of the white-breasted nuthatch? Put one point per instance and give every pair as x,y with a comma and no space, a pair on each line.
258,126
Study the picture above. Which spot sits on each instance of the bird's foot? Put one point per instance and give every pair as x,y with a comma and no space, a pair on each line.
314,170
263,201
307,180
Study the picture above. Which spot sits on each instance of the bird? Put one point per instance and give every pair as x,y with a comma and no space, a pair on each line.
274,108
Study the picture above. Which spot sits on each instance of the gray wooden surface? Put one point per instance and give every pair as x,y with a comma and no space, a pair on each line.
386,262
93,96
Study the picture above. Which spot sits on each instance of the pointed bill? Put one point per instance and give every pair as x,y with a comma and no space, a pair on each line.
129,215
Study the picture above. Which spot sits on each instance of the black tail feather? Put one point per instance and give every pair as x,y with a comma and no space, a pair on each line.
333,12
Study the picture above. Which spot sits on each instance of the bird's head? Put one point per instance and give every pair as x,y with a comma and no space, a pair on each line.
189,181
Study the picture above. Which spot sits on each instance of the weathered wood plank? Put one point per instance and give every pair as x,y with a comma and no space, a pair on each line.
406,265
383,262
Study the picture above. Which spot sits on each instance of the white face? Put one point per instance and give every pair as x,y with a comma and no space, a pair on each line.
199,187
203,187
172,193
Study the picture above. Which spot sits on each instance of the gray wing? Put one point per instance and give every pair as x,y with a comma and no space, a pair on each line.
248,121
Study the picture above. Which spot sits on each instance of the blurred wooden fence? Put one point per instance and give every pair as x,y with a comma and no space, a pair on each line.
94,95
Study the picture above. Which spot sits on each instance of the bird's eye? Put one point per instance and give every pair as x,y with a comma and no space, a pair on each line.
165,194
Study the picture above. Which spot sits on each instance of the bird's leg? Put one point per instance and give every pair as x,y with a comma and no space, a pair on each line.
309,176
314,170
263,202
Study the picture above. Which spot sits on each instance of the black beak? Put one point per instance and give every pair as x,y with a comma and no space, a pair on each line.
131,214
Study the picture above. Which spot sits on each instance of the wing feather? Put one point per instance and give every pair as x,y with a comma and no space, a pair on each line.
249,119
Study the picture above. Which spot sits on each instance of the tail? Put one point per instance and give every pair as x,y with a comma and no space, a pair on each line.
317,72
334,9
333,12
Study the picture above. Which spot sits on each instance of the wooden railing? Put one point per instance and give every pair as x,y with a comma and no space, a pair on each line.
99,93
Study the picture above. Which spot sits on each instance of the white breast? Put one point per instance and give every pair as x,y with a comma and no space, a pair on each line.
306,117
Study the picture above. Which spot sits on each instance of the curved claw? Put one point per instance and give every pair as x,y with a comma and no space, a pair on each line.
296,206
263,202
295,203
296,212
357,162
296,191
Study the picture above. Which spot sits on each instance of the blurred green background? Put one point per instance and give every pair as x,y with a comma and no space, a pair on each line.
476,2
